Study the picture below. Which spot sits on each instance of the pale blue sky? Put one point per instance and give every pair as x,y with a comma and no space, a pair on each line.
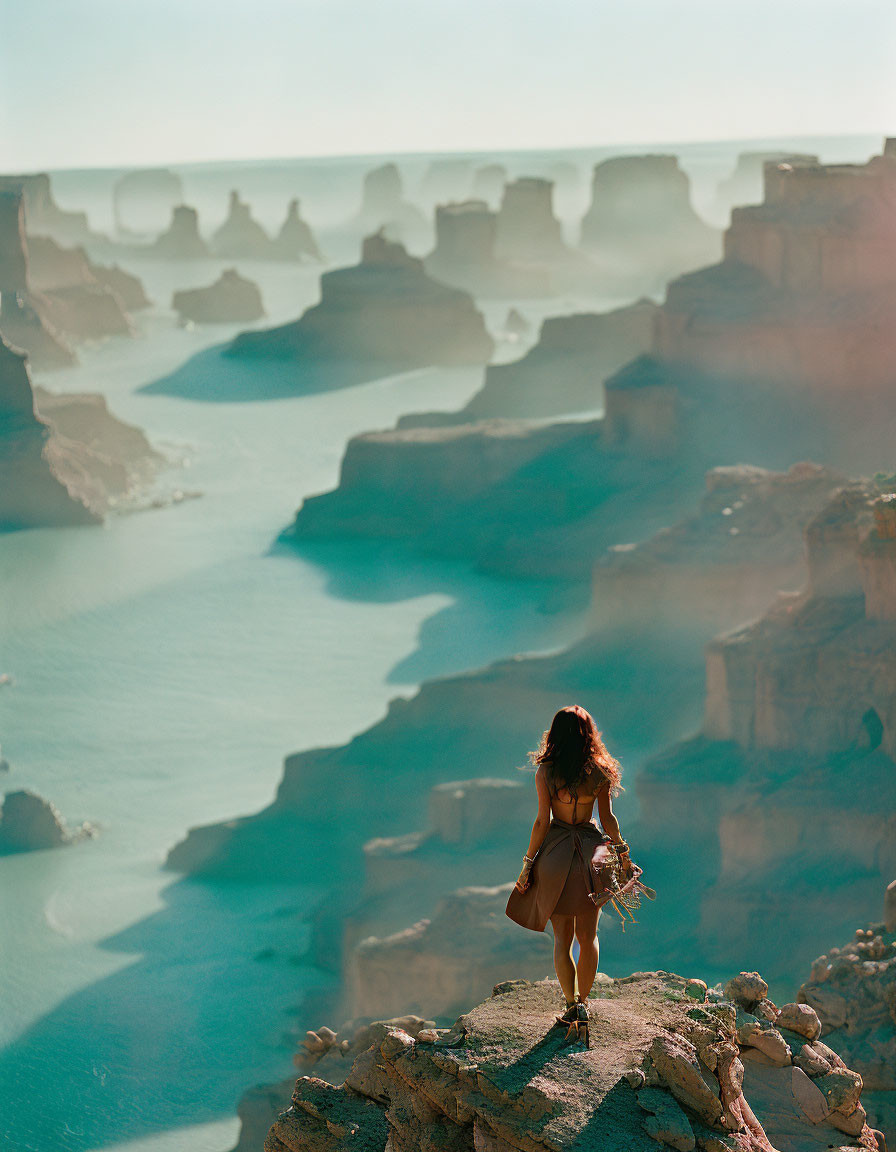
113,82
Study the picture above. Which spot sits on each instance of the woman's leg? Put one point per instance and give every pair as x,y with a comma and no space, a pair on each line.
586,935
564,927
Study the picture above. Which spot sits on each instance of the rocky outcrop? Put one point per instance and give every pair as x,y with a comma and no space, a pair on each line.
43,216
851,992
329,1056
723,563
63,458
182,240
394,484
383,207
24,315
143,200
464,255
295,240
28,823
564,372
530,235
383,315
240,236
126,287
746,182
863,1029
75,299
641,229
230,300
661,1069
798,734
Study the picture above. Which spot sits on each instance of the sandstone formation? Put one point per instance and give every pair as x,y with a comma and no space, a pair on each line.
24,315
488,184
241,237
806,293
74,297
641,228
329,1055
464,255
382,207
798,735
723,563
182,240
122,284
529,234
295,240
740,370
29,823
382,315
851,990
230,300
143,200
662,1070
440,964
746,182
68,461
43,216
564,372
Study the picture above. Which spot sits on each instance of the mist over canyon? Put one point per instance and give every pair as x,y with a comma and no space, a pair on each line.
326,482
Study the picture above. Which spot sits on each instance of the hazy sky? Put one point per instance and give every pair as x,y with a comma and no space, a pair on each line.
111,82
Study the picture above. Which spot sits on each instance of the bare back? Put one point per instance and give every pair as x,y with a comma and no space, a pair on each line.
577,809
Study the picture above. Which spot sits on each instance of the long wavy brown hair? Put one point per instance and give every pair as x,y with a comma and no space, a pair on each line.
570,746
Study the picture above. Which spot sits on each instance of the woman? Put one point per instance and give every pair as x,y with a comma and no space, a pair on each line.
571,868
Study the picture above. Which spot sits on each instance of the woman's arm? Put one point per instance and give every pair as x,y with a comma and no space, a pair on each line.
539,828
608,820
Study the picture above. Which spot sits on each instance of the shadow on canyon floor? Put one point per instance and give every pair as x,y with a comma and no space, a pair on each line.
174,1037
216,377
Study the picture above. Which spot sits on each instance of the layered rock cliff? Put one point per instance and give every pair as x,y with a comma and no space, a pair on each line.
43,216
24,315
797,739
529,234
382,315
641,229
232,299
70,463
564,372
746,183
670,1064
723,563
806,293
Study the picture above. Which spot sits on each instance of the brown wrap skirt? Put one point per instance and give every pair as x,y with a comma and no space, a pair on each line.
567,877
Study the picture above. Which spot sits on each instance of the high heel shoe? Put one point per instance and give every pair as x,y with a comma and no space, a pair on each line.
569,1015
578,1026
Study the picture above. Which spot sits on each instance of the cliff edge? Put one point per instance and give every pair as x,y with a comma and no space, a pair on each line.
670,1063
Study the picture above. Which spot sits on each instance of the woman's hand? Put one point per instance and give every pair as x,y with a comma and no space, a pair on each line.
523,880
